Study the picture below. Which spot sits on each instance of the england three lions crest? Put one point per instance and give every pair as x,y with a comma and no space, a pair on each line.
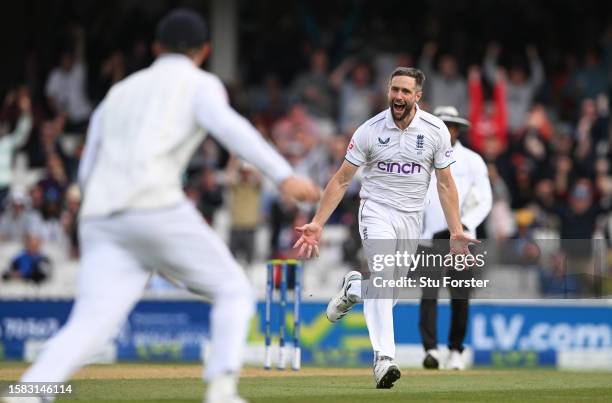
420,144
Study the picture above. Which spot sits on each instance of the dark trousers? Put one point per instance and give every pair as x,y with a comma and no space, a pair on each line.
242,242
459,304
428,323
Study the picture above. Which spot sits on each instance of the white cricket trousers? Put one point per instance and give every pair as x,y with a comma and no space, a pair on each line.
119,255
385,230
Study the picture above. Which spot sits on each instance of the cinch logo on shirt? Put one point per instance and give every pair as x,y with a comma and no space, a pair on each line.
406,168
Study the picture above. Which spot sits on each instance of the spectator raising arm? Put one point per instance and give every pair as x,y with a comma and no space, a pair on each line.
500,113
491,121
24,125
536,78
489,64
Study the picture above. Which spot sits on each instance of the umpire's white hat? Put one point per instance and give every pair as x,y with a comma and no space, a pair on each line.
451,115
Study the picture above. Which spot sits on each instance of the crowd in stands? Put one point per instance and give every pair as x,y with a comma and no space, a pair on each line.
544,133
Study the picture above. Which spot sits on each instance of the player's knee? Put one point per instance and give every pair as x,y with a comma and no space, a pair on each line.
237,295
245,292
236,286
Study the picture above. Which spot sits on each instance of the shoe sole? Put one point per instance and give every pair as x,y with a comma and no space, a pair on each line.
392,375
430,362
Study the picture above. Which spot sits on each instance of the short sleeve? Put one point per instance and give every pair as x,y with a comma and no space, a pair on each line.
443,156
356,152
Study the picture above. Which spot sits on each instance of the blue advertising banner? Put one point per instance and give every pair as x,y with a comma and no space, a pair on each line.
155,330
499,334
29,320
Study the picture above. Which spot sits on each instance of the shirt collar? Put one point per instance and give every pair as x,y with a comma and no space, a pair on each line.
390,123
167,58
457,145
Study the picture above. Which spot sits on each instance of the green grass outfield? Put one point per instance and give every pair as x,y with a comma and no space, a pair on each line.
180,383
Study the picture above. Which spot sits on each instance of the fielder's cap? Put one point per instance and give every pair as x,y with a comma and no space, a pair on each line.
182,29
450,114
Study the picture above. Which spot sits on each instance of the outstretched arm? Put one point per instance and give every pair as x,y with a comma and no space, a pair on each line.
476,99
92,146
334,192
427,57
236,134
489,64
450,205
332,195
536,79
24,125
501,107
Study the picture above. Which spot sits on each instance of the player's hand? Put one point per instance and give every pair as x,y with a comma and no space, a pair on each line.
459,243
300,189
309,240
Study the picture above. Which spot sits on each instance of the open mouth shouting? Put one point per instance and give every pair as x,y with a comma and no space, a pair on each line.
400,109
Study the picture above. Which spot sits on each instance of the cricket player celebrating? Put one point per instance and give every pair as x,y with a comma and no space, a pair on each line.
399,148
135,218
475,201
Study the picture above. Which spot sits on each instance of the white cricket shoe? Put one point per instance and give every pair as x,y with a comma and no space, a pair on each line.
342,302
455,361
23,400
223,389
386,372
432,359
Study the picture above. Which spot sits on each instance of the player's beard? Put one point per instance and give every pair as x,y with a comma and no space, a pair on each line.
408,108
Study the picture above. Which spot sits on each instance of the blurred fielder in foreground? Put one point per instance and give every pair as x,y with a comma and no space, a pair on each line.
135,216
399,149
475,201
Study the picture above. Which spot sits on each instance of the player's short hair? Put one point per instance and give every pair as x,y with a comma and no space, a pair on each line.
417,74
182,31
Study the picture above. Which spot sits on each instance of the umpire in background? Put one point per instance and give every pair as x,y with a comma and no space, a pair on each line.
475,200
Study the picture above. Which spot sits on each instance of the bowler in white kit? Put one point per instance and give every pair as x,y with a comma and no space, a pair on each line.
398,149
136,220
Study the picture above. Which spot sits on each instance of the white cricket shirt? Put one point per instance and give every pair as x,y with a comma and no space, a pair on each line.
398,163
144,132
474,190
